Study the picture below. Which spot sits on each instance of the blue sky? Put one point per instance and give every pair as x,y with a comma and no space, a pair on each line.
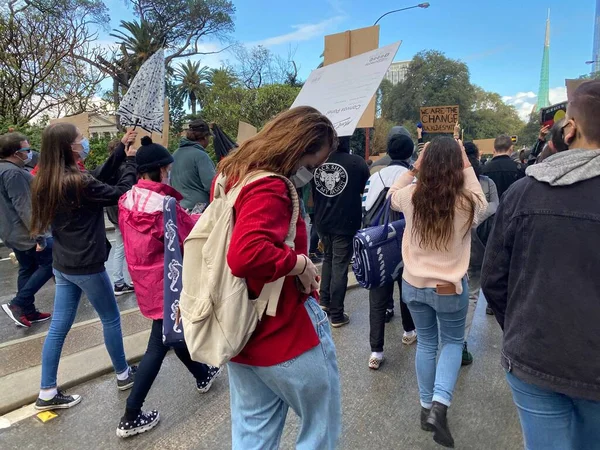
501,41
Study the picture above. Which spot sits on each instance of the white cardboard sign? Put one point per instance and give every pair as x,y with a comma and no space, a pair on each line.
342,91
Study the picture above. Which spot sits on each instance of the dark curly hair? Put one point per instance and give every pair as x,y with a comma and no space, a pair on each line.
439,193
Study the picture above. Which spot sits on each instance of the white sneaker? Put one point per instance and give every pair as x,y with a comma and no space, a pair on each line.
375,362
409,337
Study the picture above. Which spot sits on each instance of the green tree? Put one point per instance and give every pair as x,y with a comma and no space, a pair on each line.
432,80
490,117
262,104
530,131
176,109
193,79
179,26
41,43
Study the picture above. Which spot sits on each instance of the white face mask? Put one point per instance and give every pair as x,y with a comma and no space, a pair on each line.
302,177
28,157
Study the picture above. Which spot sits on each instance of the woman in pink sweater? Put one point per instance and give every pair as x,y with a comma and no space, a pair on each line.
440,209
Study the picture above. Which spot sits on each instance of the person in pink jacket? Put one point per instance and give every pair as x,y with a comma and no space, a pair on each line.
141,223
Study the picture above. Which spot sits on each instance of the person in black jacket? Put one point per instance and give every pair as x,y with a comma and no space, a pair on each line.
121,287
502,169
541,277
71,202
338,186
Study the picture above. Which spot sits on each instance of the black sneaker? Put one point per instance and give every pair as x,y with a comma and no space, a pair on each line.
389,313
205,385
121,289
127,383
489,311
467,358
345,321
145,421
60,401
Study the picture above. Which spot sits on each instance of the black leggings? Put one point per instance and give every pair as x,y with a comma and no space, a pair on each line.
380,299
150,366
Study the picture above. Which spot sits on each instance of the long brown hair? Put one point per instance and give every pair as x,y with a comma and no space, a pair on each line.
281,143
58,182
439,193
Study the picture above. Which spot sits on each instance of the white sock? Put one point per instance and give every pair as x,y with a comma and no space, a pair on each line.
48,394
123,375
378,355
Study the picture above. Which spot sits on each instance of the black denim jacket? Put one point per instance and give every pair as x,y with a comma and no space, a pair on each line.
541,276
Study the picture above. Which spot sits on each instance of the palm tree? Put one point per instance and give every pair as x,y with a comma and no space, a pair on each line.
138,41
193,82
223,77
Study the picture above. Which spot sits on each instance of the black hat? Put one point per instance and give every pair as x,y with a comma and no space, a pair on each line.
400,147
151,156
200,125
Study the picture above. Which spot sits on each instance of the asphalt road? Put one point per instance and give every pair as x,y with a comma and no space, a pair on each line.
380,409
44,299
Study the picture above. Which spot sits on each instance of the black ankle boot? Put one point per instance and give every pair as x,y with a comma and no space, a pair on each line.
424,415
437,418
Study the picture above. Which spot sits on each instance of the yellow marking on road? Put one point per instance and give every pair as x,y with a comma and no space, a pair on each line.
45,416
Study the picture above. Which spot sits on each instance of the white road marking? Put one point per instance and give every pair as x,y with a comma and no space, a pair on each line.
13,417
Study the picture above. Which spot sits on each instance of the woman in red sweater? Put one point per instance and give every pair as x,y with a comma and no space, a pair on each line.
290,360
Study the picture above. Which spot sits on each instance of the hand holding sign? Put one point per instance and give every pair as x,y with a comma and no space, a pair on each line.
457,130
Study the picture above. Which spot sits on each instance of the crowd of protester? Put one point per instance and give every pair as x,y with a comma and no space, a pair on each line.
519,233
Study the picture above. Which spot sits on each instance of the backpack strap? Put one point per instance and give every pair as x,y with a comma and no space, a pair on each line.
269,297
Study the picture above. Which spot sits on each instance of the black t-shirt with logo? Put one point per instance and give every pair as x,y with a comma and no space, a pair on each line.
338,187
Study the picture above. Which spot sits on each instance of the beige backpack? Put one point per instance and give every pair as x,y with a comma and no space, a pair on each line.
217,313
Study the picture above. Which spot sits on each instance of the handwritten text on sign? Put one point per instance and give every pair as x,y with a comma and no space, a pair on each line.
439,119
343,91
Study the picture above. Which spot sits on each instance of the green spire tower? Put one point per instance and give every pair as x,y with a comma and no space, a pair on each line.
543,99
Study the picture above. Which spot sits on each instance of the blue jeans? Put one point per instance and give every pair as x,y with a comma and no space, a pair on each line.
99,291
553,421
118,257
309,384
436,382
35,269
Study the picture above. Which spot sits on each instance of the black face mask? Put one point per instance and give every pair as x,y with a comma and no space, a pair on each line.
559,144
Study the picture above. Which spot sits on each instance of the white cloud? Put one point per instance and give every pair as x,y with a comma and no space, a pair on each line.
558,95
525,101
304,32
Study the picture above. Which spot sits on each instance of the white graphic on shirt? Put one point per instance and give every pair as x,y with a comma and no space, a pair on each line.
331,179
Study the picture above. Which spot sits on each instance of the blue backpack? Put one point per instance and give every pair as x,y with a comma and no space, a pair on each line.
378,250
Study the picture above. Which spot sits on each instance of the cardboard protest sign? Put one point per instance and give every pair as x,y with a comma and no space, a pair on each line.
553,113
342,91
81,121
439,119
245,131
351,43
572,85
485,146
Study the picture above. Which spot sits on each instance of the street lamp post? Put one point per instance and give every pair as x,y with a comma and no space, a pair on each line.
594,63
420,5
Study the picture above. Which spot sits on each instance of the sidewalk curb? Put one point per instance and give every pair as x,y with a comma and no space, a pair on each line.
21,388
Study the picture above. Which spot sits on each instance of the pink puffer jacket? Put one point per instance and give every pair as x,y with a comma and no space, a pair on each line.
141,224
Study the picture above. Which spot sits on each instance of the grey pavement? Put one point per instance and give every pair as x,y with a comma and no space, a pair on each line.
380,409
45,300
